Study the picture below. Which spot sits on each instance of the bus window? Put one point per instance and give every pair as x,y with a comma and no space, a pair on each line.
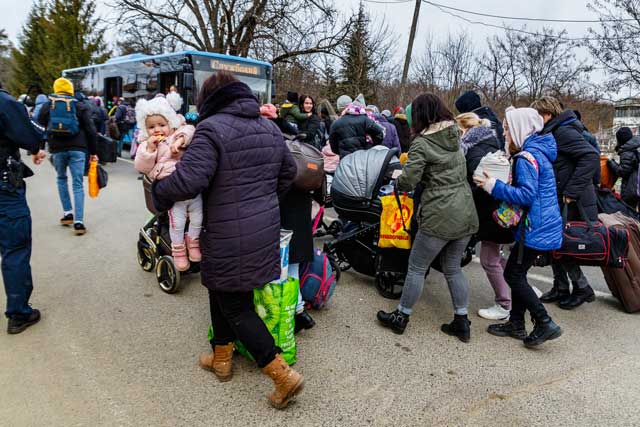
112,90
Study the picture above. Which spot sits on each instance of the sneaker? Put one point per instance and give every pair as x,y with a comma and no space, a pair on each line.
67,219
79,229
496,312
19,323
396,320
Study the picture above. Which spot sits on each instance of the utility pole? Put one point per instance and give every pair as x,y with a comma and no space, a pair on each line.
407,58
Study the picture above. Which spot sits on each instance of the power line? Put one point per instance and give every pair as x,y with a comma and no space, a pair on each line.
569,39
516,18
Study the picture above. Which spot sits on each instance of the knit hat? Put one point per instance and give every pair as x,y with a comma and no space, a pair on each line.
63,86
623,135
342,102
155,107
373,109
269,111
386,113
468,101
523,122
359,101
292,97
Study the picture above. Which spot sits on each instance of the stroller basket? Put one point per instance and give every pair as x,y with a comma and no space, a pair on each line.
146,184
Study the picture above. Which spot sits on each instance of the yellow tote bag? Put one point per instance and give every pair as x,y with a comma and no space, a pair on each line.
395,221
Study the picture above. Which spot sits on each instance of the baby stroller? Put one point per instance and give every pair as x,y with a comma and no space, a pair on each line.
154,247
354,193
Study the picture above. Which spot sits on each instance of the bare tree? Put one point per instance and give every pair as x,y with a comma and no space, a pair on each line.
276,30
616,43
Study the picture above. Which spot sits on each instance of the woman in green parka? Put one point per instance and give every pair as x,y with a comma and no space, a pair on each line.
446,215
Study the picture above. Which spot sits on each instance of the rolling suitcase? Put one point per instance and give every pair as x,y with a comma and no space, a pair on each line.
624,283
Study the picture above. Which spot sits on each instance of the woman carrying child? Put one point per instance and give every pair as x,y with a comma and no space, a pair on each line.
532,188
164,138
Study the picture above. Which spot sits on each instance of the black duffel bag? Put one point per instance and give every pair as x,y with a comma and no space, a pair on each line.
591,242
107,149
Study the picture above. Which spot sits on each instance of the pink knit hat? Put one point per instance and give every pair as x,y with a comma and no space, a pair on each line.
269,111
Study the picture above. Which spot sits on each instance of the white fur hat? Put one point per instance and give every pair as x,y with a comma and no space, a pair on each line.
155,107
175,100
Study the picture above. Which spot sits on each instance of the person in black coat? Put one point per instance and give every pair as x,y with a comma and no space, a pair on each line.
478,140
241,164
627,148
575,169
469,102
349,133
310,127
403,129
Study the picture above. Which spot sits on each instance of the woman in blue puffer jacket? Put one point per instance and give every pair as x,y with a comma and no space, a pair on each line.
533,188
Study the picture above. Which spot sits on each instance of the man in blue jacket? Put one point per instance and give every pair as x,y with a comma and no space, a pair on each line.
16,131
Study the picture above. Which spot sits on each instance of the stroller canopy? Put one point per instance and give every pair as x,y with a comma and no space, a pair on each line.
360,172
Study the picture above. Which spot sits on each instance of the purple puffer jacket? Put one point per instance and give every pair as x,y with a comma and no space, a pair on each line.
391,139
241,165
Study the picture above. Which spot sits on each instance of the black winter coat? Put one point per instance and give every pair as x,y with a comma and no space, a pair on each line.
241,165
496,125
84,141
404,133
576,164
628,170
348,134
310,127
485,142
295,215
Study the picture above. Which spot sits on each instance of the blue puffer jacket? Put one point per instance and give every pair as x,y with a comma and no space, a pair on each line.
536,190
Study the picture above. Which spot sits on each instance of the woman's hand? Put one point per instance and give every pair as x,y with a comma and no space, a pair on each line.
485,182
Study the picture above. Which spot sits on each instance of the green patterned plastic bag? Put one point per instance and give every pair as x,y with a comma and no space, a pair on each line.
276,305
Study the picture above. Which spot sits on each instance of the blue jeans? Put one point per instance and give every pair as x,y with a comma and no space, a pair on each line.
75,161
15,249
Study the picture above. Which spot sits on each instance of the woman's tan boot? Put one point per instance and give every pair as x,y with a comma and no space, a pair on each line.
219,362
288,382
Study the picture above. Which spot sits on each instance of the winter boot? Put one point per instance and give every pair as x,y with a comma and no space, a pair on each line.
458,328
543,330
179,254
554,295
509,329
396,320
193,247
288,382
577,298
219,362
303,320
19,322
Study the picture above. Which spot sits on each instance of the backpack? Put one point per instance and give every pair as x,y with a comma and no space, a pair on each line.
63,116
317,281
508,215
130,115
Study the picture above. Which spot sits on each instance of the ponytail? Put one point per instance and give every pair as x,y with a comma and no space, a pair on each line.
471,120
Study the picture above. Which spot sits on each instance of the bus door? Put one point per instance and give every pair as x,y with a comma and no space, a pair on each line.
167,80
112,91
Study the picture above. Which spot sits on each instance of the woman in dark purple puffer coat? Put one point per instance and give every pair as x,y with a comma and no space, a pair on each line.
241,165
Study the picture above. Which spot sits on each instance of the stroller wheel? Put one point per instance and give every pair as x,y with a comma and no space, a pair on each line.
335,228
389,285
146,257
168,275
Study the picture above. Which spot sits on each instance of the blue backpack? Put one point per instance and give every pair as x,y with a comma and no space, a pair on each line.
63,117
317,281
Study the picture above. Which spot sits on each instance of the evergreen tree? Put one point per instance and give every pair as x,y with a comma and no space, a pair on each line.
59,34
358,59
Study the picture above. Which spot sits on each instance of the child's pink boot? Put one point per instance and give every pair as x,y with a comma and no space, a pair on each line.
193,246
179,254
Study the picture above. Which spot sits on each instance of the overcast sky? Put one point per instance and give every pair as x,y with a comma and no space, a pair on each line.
398,16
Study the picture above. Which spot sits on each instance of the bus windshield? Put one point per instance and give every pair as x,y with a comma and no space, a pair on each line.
255,75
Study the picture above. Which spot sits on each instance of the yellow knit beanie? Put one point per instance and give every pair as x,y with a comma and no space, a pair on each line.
63,86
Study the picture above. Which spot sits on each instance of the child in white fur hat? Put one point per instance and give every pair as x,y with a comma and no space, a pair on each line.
164,136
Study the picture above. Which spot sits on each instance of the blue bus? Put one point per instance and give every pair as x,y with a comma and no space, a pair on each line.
138,76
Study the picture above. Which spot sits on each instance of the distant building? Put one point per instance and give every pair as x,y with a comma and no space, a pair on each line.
627,113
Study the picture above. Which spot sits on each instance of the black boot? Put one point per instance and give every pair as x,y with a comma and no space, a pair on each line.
19,323
542,331
577,298
509,329
303,321
554,295
458,328
396,320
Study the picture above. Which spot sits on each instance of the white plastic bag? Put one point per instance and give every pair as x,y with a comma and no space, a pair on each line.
496,165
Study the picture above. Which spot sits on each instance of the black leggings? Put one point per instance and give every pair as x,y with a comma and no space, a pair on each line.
233,317
523,297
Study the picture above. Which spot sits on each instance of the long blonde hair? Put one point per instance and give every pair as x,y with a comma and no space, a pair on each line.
467,121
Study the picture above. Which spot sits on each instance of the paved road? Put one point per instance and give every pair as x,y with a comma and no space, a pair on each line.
113,350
